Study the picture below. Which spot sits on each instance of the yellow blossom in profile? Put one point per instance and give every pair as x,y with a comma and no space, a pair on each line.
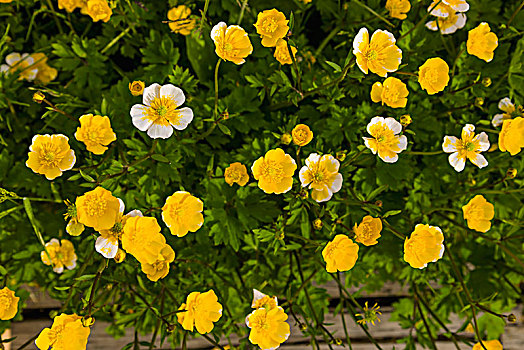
274,171
272,26
45,74
489,344
439,8
120,256
50,155
385,140
20,64
98,209
393,92
433,75
202,309
478,213
98,10
424,246
370,314
340,254
482,42
510,111
137,87
160,267
269,328
262,300
511,137
322,176
8,304
75,228
468,147
379,55
398,8
142,239
66,333
449,20
236,172
302,135
231,43
182,213
69,5
59,254
282,52
95,132
180,21
368,231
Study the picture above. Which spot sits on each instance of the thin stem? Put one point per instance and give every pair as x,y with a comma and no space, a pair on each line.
209,339
426,325
216,86
242,9
393,230
422,20
515,13
206,5
58,110
370,10
295,67
421,153
115,40
326,40
55,17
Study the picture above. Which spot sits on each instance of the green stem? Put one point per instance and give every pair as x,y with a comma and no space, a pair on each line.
206,5
373,12
295,67
426,325
421,153
115,40
515,13
216,88
209,339
55,17
422,20
326,40
242,9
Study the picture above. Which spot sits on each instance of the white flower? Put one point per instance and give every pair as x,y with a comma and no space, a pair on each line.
442,8
448,24
159,114
321,174
469,146
508,108
22,64
385,140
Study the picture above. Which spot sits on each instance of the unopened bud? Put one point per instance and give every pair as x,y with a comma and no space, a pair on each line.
286,139
38,97
341,155
479,101
303,327
170,328
486,82
378,204
280,236
225,115
512,318
405,120
471,181
317,224
338,341
88,321
511,173
304,194
120,256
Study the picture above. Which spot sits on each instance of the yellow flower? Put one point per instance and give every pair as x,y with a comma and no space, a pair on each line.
120,256
160,267
181,23
262,300
393,93
424,246
509,110
398,8
50,155
282,53
489,344
405,120
368,231
511,137
5,1
340,254
231,43
202,309
380,55
99,10
142,239
268,327
271,25
20,64
66,333
137,87
482,42
74,228
321,174
302,135
236,172
449,21
8,304
159,113
370,314
440,8
45,74
60,255
286,138
478,213
38,97
95,132
468,147
98,209
69,5
433,75
274,171
385,140
182,213
107,243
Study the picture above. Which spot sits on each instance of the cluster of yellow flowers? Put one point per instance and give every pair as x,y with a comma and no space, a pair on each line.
98,10
29,67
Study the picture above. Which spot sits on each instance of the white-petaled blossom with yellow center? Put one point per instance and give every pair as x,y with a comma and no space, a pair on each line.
439,7
385,140
449,23
321,174
24,64
469,146
263,300
159,113
379,55
506,106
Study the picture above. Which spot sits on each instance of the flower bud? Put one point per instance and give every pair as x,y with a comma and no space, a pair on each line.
137,87
479,101
341,155
286,139
88,321
486,82
512,318
317,224
511,173
378,203
225,115
120,256
405,120
38,97
304,194
338,341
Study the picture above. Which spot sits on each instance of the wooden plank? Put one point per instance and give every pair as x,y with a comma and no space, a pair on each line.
7,335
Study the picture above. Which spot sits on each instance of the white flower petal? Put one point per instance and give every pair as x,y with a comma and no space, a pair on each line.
107,247
72,264
151,93
497,120
389,159
359,39
13,58
456,162
479,160
160,131
468,131
506,105
257,295
374,121
302,176
483,140
337,183
135,212
461,7
402,143
392,124
4,68
312,159
432,25
368,145
450,144
390,35
59,269
71,164
174,93
185,116
217,30
122,206
138,115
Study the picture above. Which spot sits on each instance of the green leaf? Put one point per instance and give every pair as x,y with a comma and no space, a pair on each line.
224,129
391,213
86,177
85,278
335,66
160,158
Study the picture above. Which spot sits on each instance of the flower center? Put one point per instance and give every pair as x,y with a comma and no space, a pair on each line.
5,302
272,171
371,55
270,25
431,75
366,231
163,111
301,135
95,206
259,321
228,47
235,175
390,94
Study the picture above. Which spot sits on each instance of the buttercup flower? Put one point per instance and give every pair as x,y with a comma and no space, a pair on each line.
69,5
59,254
449,21
66,333
424,246
182,213
478,213
75,228
398,8
159,113
95,132
380,55
99,10
439,8
160,267
231,43
468,147
23,64
370,314
302,135
137,87
282,53
511,137
340,254
202,310
489,344
50,155
120,256
142,239
321,174
268,327
180,20
236,172
385,140
393,93
433,75
45,74
482,42
509,110
8,304
271,25
368,231
274,171
98,209
262,300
